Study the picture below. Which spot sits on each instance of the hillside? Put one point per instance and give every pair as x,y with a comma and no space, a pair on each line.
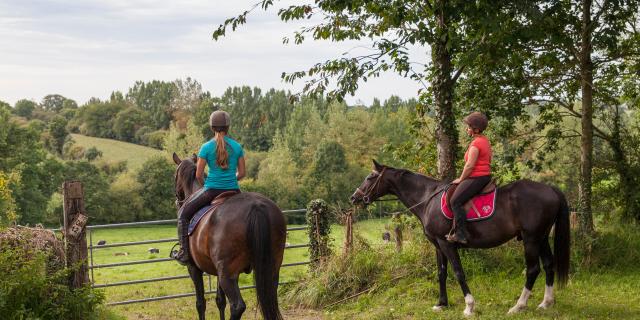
114,150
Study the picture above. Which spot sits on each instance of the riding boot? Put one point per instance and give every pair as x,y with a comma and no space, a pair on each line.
460,232
183,256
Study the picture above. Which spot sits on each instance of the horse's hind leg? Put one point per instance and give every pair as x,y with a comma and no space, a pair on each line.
232,291
221,300
547,263
451,252
532,257
196,277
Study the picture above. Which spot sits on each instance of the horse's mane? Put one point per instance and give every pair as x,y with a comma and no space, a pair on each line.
187,172
420,175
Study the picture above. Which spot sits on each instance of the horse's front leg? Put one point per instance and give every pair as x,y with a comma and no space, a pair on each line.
196,277
442,279
451,252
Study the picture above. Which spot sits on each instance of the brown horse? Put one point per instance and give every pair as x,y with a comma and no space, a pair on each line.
524,209
247,232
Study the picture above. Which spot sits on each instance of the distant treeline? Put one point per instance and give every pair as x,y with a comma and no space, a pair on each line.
297,149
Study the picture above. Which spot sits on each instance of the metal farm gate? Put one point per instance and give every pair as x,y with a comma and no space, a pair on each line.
91,247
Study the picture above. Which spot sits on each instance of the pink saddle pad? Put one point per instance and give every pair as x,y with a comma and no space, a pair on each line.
482,206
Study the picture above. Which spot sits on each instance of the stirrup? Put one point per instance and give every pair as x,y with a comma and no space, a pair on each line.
180,258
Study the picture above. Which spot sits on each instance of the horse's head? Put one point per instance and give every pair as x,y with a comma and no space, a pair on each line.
185,178
374,186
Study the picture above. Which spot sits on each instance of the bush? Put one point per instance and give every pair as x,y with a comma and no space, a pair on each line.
30,291
365,268
155,139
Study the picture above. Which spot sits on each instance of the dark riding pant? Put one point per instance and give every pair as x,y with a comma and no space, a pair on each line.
466,190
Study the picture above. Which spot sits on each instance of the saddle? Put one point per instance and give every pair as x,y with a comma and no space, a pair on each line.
490,187
480,207
217,202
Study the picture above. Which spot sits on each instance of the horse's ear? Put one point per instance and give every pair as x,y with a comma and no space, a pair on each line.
377,166
194,158
176,159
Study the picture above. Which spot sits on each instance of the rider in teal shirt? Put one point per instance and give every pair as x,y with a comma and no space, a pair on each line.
225,159
219,178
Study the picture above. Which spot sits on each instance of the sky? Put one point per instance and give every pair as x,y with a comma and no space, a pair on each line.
88,48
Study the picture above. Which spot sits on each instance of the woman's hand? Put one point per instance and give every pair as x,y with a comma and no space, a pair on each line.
456,181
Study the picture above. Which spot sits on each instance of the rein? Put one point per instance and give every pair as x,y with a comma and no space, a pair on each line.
427,200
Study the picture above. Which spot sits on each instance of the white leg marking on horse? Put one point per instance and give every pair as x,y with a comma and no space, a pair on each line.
549,299
470,302
522,302
437,308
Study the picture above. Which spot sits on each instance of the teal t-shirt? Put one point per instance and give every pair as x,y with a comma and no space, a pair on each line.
217,177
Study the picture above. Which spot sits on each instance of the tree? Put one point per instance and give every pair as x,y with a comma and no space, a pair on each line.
7,203
582,62
128,122
69,104
98,118
24,157
188,94
183,142
24,108
156,180
56,134
53,102
156,98
455,31
92,154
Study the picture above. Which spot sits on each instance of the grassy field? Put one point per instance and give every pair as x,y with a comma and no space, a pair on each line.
607,290
114,150
184,308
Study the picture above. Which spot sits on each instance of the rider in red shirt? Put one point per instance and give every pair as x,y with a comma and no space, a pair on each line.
475,175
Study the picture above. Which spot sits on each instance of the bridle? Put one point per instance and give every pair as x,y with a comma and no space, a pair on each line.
178,202
366,194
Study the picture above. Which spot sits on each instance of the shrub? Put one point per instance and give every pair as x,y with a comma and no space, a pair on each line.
30,289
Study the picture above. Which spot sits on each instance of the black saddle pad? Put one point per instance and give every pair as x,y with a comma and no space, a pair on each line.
196,218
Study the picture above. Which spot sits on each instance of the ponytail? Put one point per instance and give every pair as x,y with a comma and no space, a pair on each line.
222,156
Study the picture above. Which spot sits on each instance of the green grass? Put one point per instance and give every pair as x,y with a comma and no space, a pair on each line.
184,308
405,284
115,151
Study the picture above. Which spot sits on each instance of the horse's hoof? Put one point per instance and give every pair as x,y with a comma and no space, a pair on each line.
516,309
437,308
471,304
545,305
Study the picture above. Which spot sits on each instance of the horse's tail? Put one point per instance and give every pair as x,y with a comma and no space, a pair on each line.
263,263
562,240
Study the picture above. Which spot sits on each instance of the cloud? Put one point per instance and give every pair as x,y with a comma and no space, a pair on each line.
89,48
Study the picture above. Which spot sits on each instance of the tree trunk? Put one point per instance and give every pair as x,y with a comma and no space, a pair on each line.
586,146
442,86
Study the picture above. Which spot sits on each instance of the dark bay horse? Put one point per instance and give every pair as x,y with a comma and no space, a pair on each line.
247,232
524,209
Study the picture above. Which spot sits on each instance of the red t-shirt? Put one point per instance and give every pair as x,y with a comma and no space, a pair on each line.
483,164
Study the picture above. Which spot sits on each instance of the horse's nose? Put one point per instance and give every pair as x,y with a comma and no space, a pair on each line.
353,199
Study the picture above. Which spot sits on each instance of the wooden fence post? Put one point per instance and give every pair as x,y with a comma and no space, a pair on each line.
75,221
